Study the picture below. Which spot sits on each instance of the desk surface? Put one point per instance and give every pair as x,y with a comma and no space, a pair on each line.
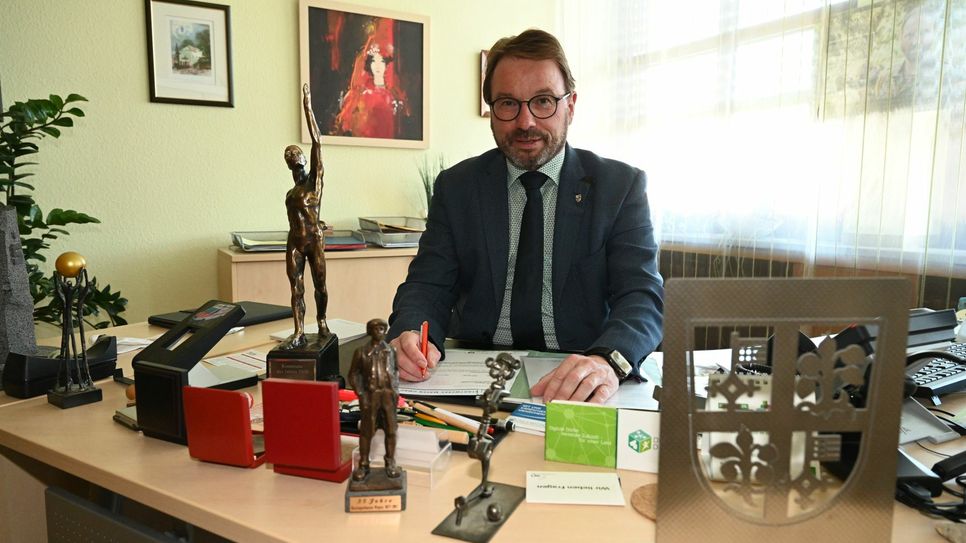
248,505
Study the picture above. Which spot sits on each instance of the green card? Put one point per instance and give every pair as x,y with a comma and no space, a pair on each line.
581,433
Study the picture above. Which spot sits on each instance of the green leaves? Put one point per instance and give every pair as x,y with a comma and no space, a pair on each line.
24,124
61,217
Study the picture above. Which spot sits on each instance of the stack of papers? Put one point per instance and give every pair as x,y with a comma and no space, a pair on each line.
252,361
345,330
260,241
462,373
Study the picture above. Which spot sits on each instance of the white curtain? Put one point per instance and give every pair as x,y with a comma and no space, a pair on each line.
826,133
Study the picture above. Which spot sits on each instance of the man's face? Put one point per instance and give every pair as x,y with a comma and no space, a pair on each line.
294,157
377,329
529,142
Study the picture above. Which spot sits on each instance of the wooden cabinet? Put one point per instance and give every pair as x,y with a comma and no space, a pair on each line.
361,283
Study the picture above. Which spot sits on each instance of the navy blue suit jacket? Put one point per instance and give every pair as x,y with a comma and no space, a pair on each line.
606,288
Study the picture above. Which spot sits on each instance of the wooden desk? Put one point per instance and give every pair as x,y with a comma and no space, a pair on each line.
39,443
361,283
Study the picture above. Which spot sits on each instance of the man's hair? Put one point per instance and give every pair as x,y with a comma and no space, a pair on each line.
531,44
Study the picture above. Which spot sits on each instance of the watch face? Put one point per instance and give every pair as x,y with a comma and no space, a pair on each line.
619,363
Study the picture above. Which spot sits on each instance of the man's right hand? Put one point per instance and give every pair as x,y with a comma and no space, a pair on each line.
413,366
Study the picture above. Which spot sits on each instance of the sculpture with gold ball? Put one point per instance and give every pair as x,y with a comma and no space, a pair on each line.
74,386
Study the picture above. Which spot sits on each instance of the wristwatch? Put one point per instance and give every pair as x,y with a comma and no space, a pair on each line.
615,359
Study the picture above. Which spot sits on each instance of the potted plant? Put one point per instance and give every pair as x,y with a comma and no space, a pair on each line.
428,171
21,128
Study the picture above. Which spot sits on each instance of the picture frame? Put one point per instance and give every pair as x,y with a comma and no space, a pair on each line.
484,107
368,71
189,52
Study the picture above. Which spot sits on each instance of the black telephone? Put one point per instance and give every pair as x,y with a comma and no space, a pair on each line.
940,367
944,372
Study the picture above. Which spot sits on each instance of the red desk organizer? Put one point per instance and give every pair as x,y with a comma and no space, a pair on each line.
302,429
220,428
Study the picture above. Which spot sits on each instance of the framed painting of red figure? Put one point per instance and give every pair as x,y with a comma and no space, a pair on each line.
368,70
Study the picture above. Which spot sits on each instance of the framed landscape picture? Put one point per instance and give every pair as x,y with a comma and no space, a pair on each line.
189,52
484,107
368,70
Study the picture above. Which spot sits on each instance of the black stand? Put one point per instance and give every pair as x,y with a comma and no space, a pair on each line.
29,375
477,520
161,369
318,360
67,398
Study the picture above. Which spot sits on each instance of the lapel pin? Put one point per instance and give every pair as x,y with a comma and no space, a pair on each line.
578,198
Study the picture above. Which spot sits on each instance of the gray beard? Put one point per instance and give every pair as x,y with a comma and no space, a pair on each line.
528,163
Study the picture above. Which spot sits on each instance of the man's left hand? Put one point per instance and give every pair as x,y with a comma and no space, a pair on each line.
579,378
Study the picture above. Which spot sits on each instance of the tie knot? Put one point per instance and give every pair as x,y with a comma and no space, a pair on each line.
532,180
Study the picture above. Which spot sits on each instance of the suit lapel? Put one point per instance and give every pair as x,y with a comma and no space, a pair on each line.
495,215
571,201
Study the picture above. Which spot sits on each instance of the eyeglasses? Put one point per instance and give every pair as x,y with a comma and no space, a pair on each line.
541,106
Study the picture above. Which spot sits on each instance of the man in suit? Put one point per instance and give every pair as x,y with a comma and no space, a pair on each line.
535,244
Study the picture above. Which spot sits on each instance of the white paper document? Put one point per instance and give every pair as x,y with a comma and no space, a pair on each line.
203,375
629,394
128,344
462,373
575,488
249,360
345,330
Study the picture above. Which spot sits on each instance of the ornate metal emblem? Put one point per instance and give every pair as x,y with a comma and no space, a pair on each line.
782,437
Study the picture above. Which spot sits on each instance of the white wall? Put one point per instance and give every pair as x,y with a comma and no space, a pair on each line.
169,182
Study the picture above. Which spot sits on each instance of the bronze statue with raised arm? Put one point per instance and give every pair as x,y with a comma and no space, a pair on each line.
305,234
313,357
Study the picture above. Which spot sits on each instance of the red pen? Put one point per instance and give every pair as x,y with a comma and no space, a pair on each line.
424,343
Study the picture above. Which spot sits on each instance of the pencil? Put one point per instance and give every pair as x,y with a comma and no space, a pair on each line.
453,436
453,419
430,418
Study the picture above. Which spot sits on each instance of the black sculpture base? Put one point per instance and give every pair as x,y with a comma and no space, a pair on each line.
482,517
318,360
76,396
33,374
378,493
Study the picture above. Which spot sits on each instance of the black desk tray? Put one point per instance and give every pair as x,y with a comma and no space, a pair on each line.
29,375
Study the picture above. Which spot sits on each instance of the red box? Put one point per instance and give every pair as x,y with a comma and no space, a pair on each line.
302,429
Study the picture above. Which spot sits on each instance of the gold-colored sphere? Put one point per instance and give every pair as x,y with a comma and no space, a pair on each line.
70,264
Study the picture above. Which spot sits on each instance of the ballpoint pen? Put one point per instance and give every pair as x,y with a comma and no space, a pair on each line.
424,344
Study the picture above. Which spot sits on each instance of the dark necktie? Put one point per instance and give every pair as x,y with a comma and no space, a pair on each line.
526,320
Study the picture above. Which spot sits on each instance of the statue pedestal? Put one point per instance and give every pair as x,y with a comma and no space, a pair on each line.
482,516
376,493
318,360
76,396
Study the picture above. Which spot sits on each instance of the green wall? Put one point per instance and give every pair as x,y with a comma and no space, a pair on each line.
169,182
